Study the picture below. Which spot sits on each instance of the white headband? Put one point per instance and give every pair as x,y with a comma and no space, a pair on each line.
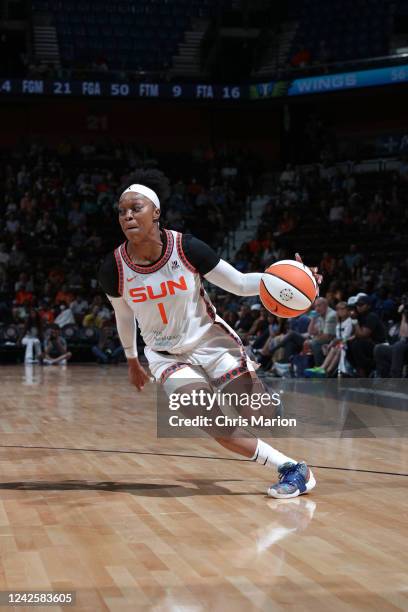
149,193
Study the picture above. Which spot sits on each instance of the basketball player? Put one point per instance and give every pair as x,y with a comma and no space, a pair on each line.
155,278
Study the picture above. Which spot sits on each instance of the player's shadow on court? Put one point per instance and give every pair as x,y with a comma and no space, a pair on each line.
199,486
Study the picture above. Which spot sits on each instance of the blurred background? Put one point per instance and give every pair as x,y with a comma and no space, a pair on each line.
282,127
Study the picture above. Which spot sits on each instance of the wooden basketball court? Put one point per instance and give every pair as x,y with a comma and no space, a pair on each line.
93,502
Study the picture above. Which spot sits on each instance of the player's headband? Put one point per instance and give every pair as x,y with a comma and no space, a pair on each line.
149,193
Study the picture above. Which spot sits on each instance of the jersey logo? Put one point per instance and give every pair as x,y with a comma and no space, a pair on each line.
131,278
141,294
175,265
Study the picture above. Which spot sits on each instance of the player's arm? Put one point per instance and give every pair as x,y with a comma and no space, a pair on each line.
228,278
127,331
125,321
218,271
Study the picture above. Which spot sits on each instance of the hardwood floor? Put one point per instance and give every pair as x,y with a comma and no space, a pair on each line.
92,501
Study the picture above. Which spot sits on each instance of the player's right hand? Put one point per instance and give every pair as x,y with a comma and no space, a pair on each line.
137,374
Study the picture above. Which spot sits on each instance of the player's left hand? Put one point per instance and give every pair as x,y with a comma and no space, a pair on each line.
314,271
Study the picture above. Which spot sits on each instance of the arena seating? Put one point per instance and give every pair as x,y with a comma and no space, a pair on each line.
127,35
351,29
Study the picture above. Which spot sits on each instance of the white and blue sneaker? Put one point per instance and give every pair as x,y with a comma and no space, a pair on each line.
294,479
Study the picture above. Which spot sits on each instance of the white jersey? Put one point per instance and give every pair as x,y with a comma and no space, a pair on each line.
172,309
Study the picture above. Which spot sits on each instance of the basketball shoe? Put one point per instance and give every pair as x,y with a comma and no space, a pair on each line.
294,479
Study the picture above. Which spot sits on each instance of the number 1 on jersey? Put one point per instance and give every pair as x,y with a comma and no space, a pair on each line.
162,311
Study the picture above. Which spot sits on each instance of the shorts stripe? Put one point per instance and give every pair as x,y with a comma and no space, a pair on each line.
238,370
208,305
171,369
230,375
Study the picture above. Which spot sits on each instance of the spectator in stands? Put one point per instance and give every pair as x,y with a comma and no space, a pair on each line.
289,339
336,215
23,283
18,257
32,336
12,223
288,175
286,224
327,265
93,319
391,358
259,323
23,296
368,331
301,58
64,296
76,218
335,349
64,316
109,348
245,320
322,329
375,219
55,349
353,259
79,306
4,256
46,312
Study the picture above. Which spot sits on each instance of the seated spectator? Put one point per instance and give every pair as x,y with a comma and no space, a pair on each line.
391,358
23,282
336,214
76,218
32,336
109,348
322,329
79,306
288,175
262,340
290,341
65,316
93,319
368,331
46,312
64,296
23,296
375,219
4,255
259,324
286,224
55,349
32,345
328,264
353,259
335,349
245,320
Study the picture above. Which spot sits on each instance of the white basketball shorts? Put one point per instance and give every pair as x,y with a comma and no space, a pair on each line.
219,355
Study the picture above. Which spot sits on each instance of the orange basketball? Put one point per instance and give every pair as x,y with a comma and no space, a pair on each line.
288,288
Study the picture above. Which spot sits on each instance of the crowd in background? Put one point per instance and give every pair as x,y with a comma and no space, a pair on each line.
355,228
58,221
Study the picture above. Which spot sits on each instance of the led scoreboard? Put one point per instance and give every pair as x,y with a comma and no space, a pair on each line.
311,85
109,89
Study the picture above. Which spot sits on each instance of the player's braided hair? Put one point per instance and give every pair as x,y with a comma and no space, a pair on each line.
152,178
